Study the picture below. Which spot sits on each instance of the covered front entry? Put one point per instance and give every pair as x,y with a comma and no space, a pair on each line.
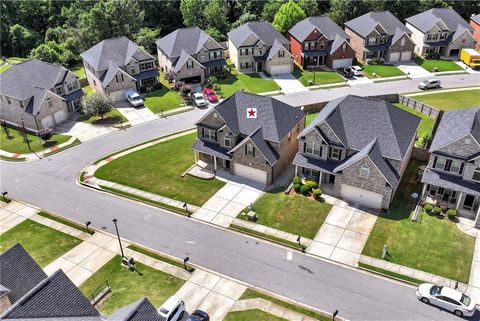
250,173
361,196
313,59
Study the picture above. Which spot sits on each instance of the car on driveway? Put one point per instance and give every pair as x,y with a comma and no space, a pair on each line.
446,298
199,315
429,83
209,95
345,72
172,310
198,100
357,70
133,98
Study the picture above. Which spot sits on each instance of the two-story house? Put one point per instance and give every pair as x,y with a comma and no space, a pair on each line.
249,135
115,65
440,31
40,93
318,41
380,35
357,148
257,46
452,177
475,24
190,54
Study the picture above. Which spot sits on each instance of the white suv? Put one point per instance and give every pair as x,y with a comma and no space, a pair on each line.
172,310
430,83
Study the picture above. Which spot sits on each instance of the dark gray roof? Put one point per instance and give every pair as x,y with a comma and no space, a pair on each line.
190,39
264,147
215,63
366,23
19,272
476,18
119,50
357,121
99,318
276,119
141,310
210,149
426,20
317,164
277,45
323,23
263,30
453,182
456,124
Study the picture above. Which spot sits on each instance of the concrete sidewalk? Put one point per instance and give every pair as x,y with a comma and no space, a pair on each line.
14,213
289,83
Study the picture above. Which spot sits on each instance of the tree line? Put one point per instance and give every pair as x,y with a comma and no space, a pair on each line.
58,31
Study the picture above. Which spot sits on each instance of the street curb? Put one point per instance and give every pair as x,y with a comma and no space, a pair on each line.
387,276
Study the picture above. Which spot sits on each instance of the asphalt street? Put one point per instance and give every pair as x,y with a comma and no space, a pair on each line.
50,183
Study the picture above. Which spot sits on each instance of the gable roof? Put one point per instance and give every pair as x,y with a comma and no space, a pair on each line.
19,272
182,60
324,24
475,18
456,124
111,72
118,50
263,146
263,30
190,39
140,310
357,121
424,21
277,45
366,23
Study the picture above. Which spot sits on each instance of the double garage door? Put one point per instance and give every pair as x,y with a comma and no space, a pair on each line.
337,63
118,95
281,69
400,56
250,173
361,196
58,117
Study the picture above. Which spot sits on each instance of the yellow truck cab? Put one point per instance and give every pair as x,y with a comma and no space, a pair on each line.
471,58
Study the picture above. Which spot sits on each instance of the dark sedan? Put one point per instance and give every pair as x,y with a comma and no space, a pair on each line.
198,315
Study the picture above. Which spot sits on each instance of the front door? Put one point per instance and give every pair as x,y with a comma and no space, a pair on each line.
468,203
227,163
259,66
331,178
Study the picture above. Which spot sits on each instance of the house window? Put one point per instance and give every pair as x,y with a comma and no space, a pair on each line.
372,40
226,142
209,134
322,46
145,66
344,47
58,90
132,70
281,54
72,86
335,153
456,166
364,171
309,45
49,102
440,164
402,42
383,39
250,150
476,174
443,35
313,149
190,64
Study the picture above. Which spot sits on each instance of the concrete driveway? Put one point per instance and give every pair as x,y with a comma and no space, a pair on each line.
289,83
83,131
415,70
134,115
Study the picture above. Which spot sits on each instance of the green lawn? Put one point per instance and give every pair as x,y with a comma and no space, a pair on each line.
129,286
78,70
434,245
426,124
295,214
309,118
442,65
5,67
43,243
247,82
451,100
111,118
15,142
88,90
321,77
162,99
250,315
153,169
381,71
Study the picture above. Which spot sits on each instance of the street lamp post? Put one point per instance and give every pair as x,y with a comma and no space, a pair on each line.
118,236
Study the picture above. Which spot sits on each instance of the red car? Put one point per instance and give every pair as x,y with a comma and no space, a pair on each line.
209,95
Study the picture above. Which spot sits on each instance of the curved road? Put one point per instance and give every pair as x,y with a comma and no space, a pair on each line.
50,184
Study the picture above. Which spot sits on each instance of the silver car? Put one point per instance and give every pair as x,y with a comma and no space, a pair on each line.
430,83
198,100
446,298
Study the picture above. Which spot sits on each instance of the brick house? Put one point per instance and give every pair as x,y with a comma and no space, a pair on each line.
190,54
357,148
475,24
257,46
452,176
40,93
380,35
258,148
440,31
318,41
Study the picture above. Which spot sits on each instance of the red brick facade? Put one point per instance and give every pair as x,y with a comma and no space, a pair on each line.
476,33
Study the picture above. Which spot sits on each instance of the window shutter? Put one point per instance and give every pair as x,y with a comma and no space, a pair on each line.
321,151
448,165
215,136
246,152
253,150
330,152
434,162
304,147
461,169
340,154
203,132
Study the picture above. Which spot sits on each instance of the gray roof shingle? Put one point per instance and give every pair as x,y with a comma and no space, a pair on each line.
426,20
476,18
366,23
264,147
210,148
140,310
323,23
453,182
263,30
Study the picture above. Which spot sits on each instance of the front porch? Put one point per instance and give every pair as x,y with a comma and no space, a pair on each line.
324,179
313,59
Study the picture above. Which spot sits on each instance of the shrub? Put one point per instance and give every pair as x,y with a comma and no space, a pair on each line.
437,210
428,208
451,214
297,180
45,134
296,187
311,184
304,189
317,193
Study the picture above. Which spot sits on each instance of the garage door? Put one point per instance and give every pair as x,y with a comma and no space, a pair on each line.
192,80
281,69
361,196
118,95
337,63
406,55
394,56
250,173
48,121
60,116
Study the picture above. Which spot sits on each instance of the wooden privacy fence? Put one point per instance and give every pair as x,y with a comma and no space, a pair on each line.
418,106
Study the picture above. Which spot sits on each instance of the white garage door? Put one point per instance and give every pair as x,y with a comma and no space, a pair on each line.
60,116
337,63
250,173
361,196
394,56
48,121
281,69
406,55
118,95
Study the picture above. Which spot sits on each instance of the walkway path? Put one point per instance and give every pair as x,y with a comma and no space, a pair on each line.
14,213
474,282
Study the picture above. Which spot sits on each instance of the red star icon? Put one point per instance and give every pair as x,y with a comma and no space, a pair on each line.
251,113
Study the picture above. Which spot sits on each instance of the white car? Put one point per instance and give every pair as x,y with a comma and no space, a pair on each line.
446,298
430,83
198,100
133,98
172,310
357,70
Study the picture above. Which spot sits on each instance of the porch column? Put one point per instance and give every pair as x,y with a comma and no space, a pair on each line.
296,170
459,201
195,156
320,179
424,189
215,163
477,219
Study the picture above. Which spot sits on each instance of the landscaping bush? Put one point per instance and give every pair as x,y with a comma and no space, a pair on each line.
297,187
451,214
297,180
428,208
426,140
311,184
317,193
45,134
304,189
437,211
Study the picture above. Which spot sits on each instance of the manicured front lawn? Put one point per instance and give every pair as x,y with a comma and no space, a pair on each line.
43,243
434,245
247,82
295,214
129,286
441,65
309,118
153,169
15,143
162,99
249,315
111,118
381,71
426,124
321,77
451,100
78,70
88,90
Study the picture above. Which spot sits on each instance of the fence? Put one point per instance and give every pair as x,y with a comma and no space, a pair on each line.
418,106
100,293
420,154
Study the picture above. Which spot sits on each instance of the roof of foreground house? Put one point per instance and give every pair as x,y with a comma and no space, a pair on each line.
366,23
263,30
424,21
140,310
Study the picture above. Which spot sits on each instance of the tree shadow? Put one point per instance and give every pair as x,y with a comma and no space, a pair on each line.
49,143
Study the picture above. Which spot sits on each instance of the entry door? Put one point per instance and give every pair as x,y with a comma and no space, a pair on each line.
259,66
468,203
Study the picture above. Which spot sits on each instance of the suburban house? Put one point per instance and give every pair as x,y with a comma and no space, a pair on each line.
318,41
40,93
380,35
250,136
257,46
190,54
452,176
357,148
117,64
440,31
475,25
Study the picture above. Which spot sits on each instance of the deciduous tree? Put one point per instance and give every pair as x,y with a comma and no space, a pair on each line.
287,16
97,105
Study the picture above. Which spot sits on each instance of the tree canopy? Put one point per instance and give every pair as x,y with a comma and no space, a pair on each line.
288,15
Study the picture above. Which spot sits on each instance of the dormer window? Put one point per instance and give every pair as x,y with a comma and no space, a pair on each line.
250,150
49,102
364,171
456,166
335,153
322,46
227,142
281,53
190,64
476,174
402,42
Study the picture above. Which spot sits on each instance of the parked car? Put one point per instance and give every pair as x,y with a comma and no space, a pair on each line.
198,100
345,72
172,310
209,95
357,70
446,298
199,315
429,83
133,98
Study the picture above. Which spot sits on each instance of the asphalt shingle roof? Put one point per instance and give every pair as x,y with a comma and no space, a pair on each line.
476,18
317,164
263,30
323,23
210,148
270,154
426,20
140,310
366,23
453,182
